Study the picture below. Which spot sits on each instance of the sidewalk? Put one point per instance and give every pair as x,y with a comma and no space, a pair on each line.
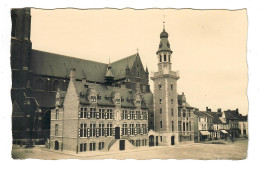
102,153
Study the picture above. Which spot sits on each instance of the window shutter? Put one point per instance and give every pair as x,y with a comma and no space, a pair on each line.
97,132
79,132
79,114
128,116
113,132
106,115
122,131
88,115
135,116
141,116
97,115
129,131
105,132
142,131
88,132
135,131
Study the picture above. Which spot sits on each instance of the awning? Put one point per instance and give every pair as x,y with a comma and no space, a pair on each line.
224,131
205,133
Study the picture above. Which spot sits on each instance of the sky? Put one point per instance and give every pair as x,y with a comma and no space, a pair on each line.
209,46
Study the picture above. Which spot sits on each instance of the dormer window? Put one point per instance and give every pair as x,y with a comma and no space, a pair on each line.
138,102
93,98
130,91
82,94
118,101
107,97
99,97
122,99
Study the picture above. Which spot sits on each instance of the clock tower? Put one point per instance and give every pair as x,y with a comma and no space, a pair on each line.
165,95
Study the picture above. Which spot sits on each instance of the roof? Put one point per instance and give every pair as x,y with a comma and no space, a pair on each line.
104,91
16,108
51,64
231,114
118,67
45,63
242,118
45,99
215,116
179,102
203,114
148,97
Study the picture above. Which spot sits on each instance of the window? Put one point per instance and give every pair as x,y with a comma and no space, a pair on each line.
102,113
93,98
184,113
161,138
56,129
145,117
92,146
101,129
118,101
122,99
183,126
160,101
164,57
101,145
169,57
124,114
160,124
132,142
83,130
83,147
160,110
160,58
132,114
171,86
124,129
179,112
171,101
189,125
99,97
138,102
171,111
144,129
137,143
109,129
160,87
57,114
189,113
172,126
179,125
83,112
109,114
92,130
132,129
55,85
92,112
138,130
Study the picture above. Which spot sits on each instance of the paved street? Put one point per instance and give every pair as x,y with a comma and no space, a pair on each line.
201,151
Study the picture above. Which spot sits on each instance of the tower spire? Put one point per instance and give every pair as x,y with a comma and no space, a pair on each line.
163,22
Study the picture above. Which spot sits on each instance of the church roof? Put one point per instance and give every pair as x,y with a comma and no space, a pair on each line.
45,63
45,99
50,64
118,67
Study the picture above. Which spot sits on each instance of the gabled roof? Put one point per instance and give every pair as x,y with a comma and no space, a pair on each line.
118,67
45,99
45,63
215,116
231,114
103,91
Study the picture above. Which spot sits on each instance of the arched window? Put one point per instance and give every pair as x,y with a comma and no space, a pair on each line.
55,85
39,84
164,58
14,23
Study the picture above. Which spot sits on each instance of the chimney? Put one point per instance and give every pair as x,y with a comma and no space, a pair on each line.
207,108
219,110
73,74
237,110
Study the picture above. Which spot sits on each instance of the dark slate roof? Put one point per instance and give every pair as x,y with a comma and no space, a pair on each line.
242,118
104,91
45,99
231,115
45,63
118,67
215,116
202,114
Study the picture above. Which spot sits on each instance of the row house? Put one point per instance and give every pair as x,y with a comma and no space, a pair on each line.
203,126
243,126
99,117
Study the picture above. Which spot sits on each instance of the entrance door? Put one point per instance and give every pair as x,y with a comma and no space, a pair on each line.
117,132
151,140
122,145
172,140
156,141
56,147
